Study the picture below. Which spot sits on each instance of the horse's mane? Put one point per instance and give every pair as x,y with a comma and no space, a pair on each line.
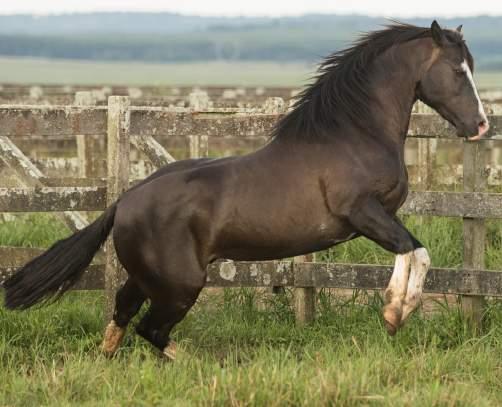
340,92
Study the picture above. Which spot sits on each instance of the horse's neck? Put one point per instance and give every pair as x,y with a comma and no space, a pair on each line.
397,74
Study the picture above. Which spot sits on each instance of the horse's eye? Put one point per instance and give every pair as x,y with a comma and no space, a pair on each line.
459,71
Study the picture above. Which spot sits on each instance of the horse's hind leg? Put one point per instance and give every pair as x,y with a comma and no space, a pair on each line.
171,298
161,318
156,326
128,301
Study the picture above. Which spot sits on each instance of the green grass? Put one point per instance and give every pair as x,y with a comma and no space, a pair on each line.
31,70
235,354
32,230
259,73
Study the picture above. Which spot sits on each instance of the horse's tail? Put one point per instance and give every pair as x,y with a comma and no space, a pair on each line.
55,271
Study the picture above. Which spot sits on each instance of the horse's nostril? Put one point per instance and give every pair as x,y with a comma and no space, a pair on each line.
483,127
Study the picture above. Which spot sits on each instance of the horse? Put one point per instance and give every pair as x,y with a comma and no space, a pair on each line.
333,170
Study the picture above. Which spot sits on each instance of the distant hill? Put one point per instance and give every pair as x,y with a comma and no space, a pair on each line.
116,23
166,37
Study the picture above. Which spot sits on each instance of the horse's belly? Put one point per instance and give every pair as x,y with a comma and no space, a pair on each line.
288,243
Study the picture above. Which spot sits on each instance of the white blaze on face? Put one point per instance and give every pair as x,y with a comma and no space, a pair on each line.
467,70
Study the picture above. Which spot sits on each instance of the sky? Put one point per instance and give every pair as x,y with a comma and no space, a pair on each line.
387,8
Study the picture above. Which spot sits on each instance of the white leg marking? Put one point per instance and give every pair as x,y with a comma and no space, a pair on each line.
399,281
396,292
420,263
112,339
170,350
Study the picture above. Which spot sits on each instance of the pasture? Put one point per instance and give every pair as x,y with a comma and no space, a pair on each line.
238,351
29,70
253,73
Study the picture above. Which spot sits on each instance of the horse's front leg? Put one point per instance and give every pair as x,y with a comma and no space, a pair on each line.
412,262
420,263
405,288
396,292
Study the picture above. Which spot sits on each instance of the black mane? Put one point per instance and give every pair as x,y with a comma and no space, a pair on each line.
340,92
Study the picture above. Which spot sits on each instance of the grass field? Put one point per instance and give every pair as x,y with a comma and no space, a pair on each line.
30,70
235,354
27,70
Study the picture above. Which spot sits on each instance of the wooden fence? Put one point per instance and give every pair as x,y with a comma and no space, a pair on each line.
181,96
20,90
53,154
34,90
126,126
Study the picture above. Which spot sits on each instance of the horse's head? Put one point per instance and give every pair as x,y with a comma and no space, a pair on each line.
447,85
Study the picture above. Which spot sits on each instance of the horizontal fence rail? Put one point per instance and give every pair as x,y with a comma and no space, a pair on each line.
71,120
318,275
41,90
87,198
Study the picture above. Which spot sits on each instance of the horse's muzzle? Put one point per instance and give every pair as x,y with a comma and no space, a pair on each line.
483,128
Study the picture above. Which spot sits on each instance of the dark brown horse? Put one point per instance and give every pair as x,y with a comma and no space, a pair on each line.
333,170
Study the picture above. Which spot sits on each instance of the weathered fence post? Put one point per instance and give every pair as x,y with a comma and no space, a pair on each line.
87,146
117,182
426,152
304,297
199,100
199,146
474,229
274,105
426,149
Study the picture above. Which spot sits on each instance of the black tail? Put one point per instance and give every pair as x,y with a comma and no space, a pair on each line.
54,272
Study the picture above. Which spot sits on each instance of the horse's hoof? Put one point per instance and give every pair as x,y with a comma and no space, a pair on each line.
391,329
169,351
112,339
392,319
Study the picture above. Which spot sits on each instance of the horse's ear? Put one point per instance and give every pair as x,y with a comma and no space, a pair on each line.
459,28
437,33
